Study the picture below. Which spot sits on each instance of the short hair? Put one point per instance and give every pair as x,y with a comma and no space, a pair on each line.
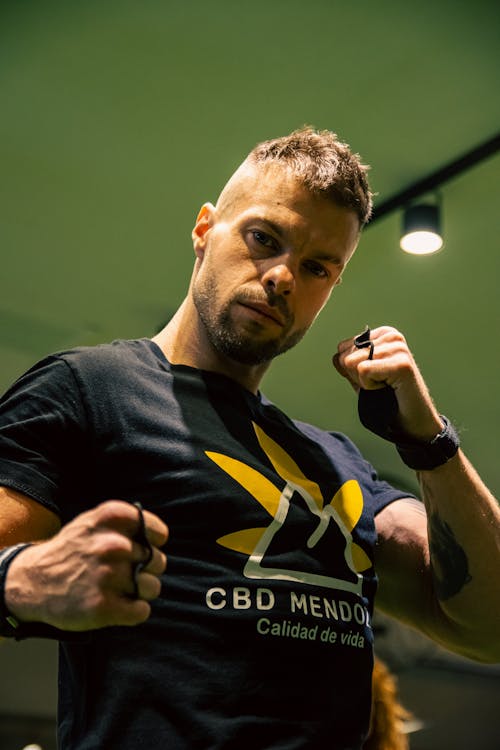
324,164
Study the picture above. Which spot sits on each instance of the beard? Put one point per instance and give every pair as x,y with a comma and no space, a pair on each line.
226,339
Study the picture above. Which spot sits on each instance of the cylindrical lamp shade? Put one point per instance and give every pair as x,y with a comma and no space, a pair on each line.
421,230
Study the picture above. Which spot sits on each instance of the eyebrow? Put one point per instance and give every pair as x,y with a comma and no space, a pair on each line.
275,227
321,255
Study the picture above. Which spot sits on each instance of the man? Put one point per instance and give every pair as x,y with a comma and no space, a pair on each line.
258,635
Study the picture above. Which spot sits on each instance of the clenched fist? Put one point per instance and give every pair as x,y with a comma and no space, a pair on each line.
389,362
82,578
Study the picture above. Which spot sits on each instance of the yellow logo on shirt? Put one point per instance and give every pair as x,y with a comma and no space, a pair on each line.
344,510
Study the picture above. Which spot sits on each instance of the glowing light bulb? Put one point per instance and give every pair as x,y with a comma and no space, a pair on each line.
421,242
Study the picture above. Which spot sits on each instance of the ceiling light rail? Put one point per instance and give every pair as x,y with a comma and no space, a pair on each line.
421,232
436,179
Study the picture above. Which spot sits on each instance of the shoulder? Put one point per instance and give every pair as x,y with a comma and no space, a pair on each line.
74,378
95,366
60,364
119,353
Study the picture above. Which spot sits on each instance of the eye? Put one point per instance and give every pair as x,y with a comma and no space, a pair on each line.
316,269
264,239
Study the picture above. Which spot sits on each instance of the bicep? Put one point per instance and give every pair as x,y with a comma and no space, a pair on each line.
22,519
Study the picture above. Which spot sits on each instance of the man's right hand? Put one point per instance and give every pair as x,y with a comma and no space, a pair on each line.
82,578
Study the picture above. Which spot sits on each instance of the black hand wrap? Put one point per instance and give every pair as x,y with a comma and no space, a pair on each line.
379,412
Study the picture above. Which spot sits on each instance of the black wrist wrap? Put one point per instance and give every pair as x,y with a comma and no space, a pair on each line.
378,412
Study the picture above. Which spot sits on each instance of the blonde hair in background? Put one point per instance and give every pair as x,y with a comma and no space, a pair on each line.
388,714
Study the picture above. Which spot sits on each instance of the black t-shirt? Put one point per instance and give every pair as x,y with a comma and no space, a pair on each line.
261,636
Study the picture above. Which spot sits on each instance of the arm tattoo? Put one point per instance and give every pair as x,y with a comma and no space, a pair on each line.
448,559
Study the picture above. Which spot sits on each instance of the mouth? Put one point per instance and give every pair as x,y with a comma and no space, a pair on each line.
265,311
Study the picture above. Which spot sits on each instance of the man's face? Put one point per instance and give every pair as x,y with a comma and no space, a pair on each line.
269,255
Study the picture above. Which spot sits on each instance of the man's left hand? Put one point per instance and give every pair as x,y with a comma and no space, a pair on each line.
392,364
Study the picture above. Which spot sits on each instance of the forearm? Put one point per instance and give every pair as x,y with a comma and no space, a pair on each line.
464,544
437,570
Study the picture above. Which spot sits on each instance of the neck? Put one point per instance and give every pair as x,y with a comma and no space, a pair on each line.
183,341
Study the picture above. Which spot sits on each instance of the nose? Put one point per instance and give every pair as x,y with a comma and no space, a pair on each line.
279,279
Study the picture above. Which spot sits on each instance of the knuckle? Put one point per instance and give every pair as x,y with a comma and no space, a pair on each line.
107,576
135,613
154,588
397,336
158,564
350,360
112,511
142,612
163,562
149,587
387,330
390,333
156,526
106,546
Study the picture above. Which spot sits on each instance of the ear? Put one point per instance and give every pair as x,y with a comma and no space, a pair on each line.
204,222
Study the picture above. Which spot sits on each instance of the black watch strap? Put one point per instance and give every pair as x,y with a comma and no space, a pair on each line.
423,456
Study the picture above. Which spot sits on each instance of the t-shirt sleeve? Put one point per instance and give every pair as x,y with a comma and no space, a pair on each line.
380,492
42,432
